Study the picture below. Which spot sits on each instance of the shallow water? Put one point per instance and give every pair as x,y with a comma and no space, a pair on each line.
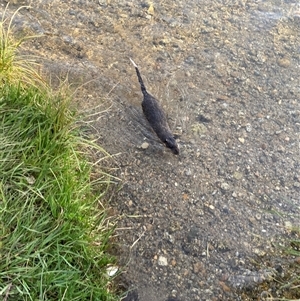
227,74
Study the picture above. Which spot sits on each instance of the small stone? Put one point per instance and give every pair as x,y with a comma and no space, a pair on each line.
248,127
242,140
224,186
149,227
150,10
260,115
125,16
259,252
288,225
173,262
238,175
145,145
252,220
188,172
169,237
162,261
284,62
185,272
185,196
222,98
197,267
189,60
296,184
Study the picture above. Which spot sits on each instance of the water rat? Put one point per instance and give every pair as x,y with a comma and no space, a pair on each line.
156,116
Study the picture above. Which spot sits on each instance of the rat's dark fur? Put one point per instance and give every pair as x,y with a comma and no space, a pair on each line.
156,116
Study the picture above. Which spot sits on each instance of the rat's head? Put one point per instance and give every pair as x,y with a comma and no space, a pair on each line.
171,144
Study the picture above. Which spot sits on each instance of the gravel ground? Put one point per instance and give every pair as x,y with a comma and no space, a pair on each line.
208,224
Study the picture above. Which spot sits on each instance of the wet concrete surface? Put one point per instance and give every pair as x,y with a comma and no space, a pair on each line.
207,224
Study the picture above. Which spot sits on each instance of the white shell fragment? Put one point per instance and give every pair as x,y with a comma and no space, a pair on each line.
111,271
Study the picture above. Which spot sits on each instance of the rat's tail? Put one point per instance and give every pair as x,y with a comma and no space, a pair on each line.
139,77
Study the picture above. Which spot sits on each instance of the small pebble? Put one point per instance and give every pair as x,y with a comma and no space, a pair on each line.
296,184
224,186
258,216
238,175
188,172
162,261
248,127
288,225
197,267
150,10
284,62
145,145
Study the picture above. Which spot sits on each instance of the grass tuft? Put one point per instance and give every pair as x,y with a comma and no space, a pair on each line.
48,211
53,228
292,285
16,68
